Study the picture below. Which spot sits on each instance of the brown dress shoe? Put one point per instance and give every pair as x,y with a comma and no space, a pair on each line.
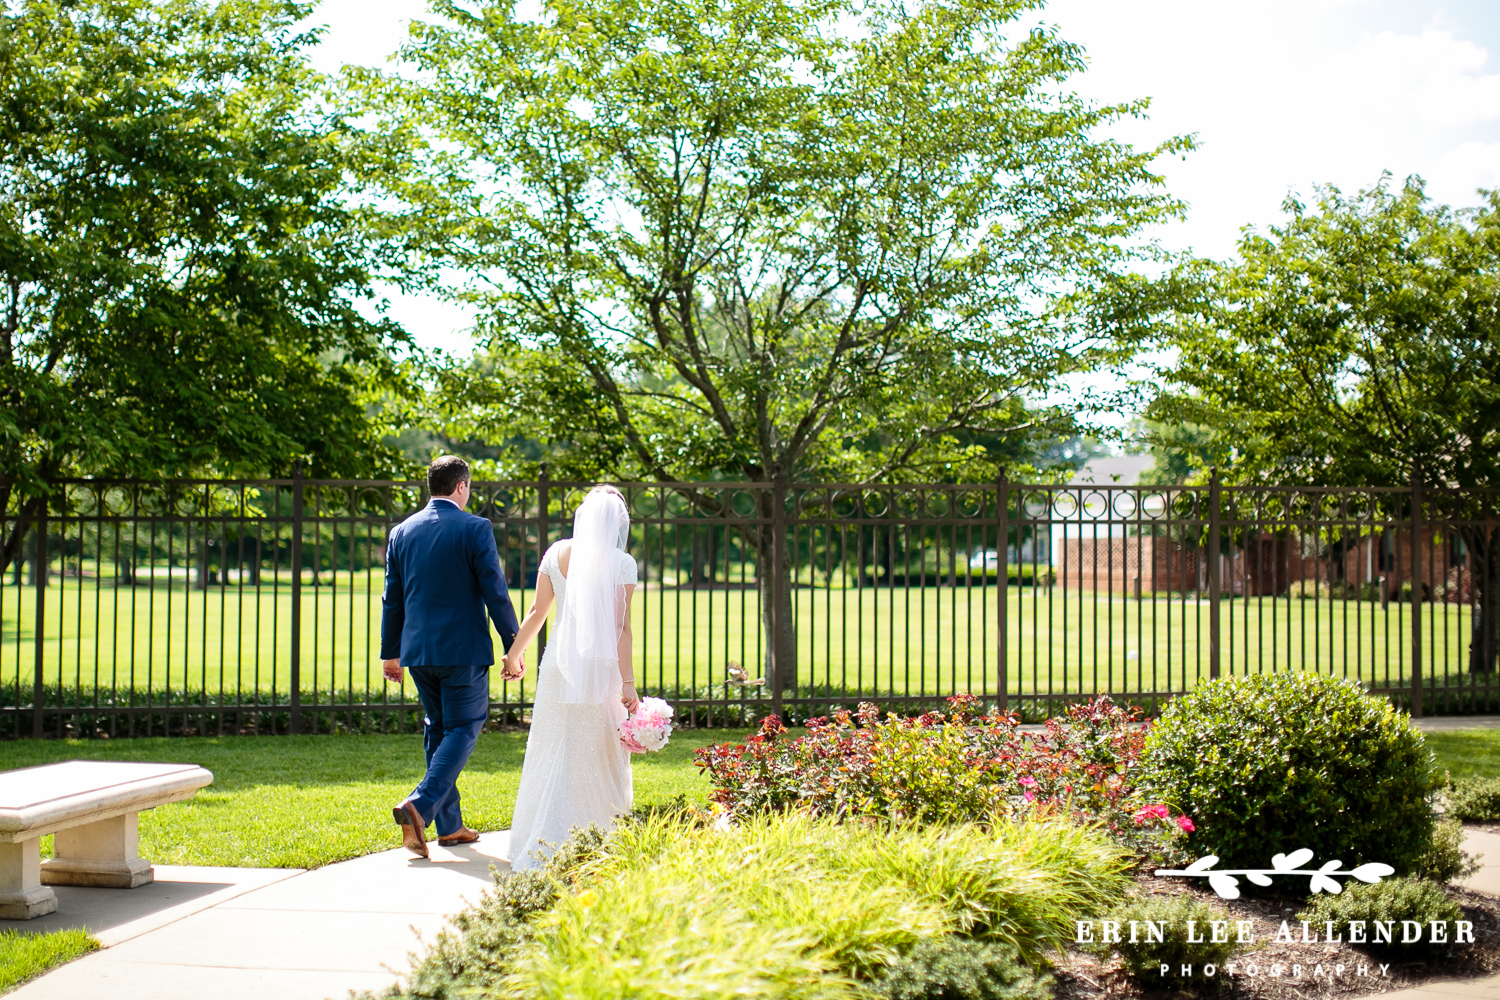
463,836
413,830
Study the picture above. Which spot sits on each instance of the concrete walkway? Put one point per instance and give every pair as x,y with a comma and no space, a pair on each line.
1448,723
252,933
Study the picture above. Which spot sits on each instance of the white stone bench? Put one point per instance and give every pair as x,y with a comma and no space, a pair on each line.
91,806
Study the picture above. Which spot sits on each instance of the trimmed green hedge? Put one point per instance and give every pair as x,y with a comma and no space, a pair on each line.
1276,762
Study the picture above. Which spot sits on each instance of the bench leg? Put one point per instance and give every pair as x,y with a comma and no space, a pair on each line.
98,854
22,895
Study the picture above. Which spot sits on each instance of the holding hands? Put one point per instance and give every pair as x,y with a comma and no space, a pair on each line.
514,667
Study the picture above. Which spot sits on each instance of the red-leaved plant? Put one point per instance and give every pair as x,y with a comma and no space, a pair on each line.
964,765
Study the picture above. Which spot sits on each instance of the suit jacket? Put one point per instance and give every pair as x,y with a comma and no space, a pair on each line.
441,573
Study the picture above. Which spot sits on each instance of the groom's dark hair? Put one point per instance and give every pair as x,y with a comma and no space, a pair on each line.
446,474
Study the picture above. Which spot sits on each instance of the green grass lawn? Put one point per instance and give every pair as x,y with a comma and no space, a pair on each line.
26,956
304,801
935,640
1467,753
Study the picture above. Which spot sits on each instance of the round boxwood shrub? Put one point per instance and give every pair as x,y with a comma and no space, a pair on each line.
1447,861
1272,763
954,967
1475,800
1397,903
1144,957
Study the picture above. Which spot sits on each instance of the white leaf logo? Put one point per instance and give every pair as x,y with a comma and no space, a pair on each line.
1372,872
1227,886
1322,883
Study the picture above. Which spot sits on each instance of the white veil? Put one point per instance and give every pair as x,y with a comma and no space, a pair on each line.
596,601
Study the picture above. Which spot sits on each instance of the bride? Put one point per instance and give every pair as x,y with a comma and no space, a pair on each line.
576,772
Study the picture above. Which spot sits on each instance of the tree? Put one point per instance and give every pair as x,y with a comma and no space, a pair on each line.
1356,344
179,271
748,239
1181,452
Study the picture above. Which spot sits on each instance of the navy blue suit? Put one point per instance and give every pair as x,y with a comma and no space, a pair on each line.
442,574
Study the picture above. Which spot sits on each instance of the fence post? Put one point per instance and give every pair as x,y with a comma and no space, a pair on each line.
1002,586
773,590
1416,593
1213,574
295,722
39,565
542,529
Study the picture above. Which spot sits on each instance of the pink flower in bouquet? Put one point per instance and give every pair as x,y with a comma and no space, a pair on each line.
649,729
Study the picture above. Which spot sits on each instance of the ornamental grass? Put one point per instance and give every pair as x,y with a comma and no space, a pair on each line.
786,905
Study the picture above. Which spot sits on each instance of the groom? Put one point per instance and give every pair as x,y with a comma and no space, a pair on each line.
441,572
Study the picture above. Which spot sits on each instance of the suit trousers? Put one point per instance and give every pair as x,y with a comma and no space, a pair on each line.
455,702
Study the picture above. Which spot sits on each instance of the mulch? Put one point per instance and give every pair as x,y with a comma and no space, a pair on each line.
1268,970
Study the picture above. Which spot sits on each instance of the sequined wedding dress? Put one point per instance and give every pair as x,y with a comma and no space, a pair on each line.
575,772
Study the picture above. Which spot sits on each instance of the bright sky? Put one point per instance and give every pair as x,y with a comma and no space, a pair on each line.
1281,93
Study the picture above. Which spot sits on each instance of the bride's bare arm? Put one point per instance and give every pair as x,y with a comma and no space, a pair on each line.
628,697
541,603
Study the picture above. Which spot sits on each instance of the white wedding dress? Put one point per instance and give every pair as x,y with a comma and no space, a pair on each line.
575,772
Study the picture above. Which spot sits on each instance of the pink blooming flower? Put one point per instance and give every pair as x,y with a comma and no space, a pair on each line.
1028,781
1029,795
1186,824
1151,812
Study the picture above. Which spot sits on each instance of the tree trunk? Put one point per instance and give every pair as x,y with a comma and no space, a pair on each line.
1484,597
202,581
12,547
866,576
250,568
703,555
40,563
780,640
782,637
885,555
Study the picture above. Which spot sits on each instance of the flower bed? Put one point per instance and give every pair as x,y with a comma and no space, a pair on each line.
964,765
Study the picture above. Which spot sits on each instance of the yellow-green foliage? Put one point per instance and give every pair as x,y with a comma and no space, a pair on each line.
926,774
787,906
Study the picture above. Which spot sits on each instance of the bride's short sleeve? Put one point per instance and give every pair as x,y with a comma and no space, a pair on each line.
626,573
550,564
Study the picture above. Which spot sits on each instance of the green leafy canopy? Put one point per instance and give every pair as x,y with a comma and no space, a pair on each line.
182,263
721,238
1358,343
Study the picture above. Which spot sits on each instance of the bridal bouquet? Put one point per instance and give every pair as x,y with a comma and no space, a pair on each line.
649,728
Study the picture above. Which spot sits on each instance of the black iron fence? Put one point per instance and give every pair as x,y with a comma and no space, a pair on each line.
139,608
